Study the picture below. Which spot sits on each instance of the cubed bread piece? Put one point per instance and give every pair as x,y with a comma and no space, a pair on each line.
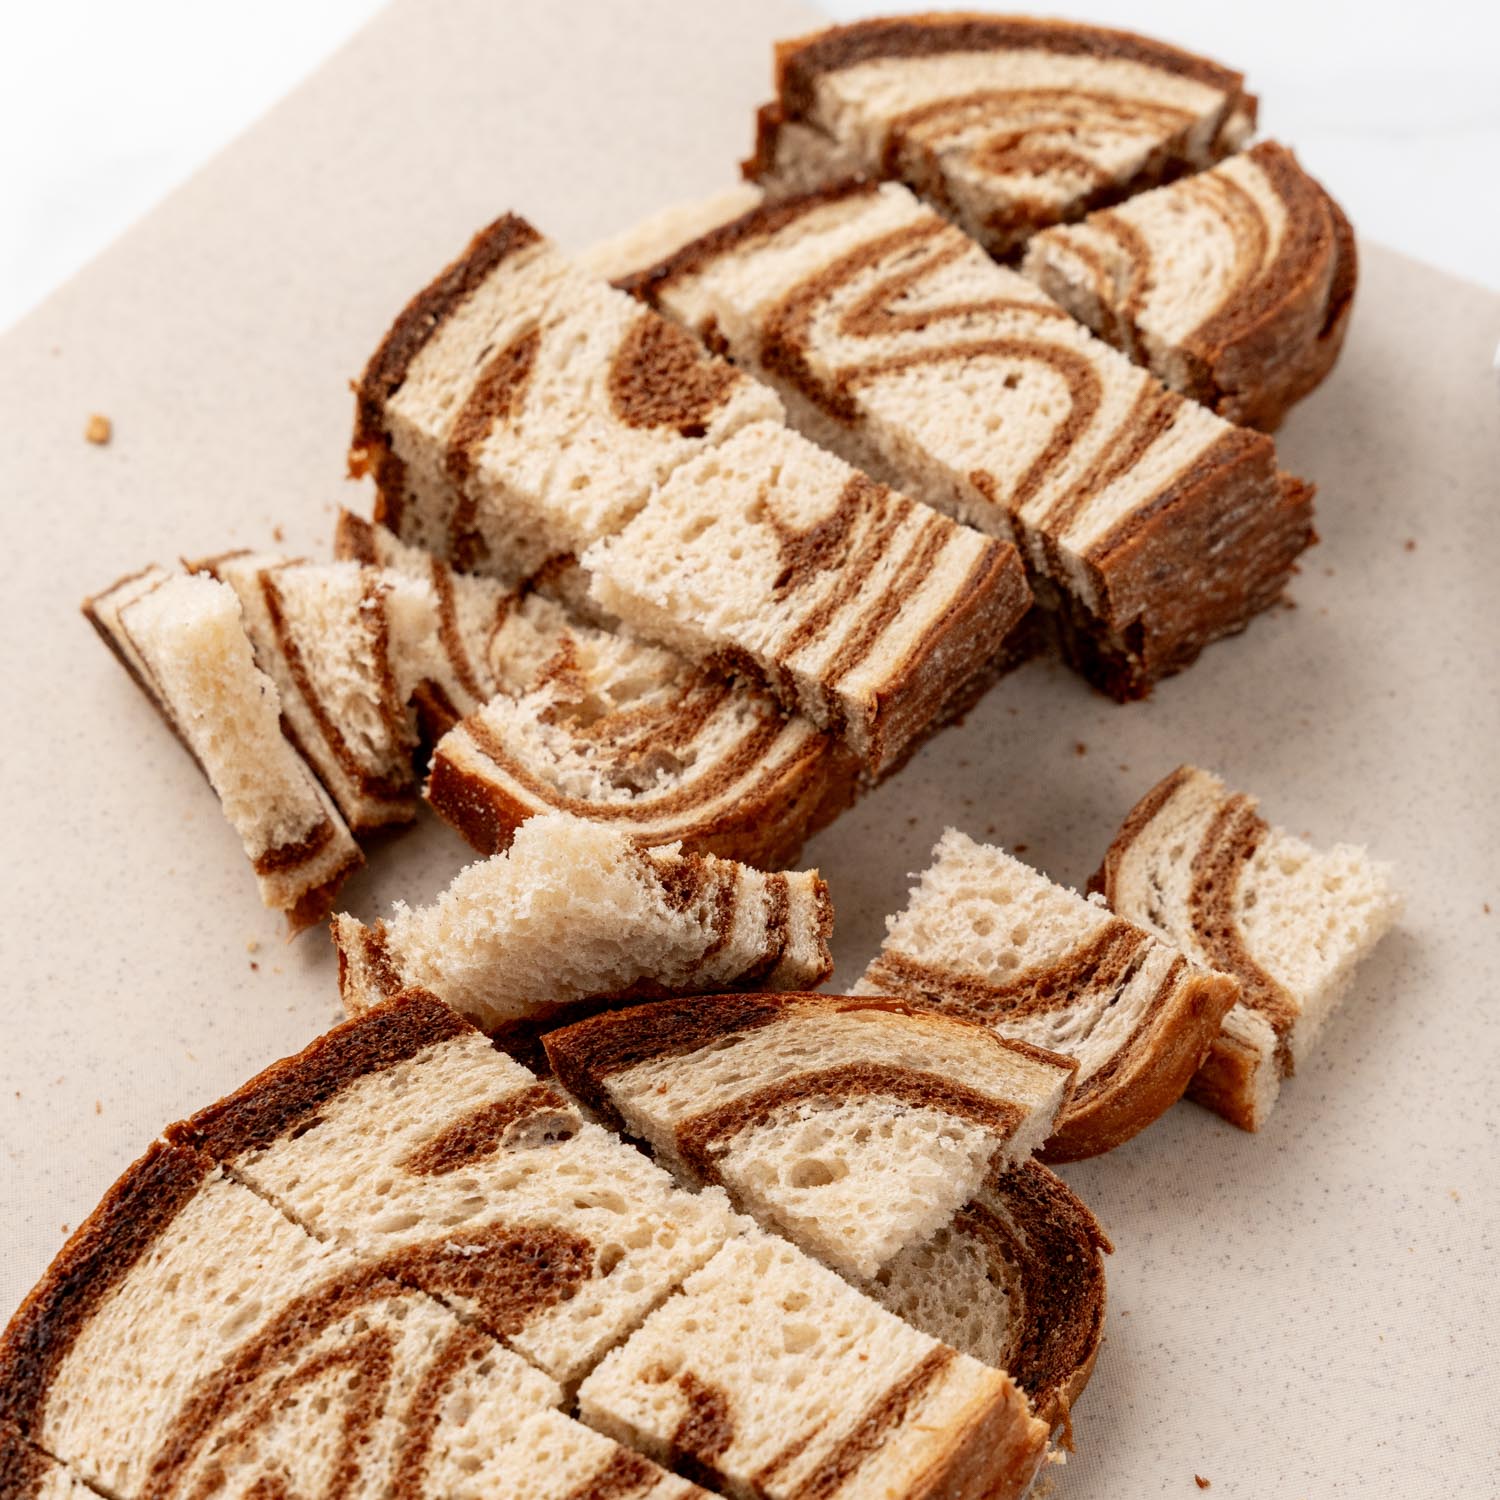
183,641
189,1339
405,1136
519,410
1150,526
1196,864
855,605
855,1128
990,939
768,1377
578,911
1233,286
1005,123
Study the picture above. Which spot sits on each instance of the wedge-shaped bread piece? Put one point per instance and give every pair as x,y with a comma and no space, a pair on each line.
348,648
988,938
855,1128
183,641
1196,864
768,1377
1151,526
404,1133
189,1339
26,1473
1006,123
578,911
563,715
857,606
519,410
1234,286
1015,1279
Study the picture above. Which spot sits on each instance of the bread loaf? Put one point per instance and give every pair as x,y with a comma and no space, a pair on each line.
1196,864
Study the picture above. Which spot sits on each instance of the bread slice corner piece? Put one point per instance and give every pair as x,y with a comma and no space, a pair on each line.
654,238
855,605
768,1377
856,1128
1233,286
989,939
1016,1280
182,639
1196,864
575,913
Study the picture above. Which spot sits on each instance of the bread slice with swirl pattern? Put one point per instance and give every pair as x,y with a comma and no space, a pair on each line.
1234,285
989,939
1149,525
518,409
855,1128
769,1378
1196,864
1004,123
578,913
405,1133
575,718
182,639
855,605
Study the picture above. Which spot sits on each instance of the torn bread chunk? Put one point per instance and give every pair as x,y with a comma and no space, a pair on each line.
1004,123
989,939
404,1133
856,1128
518,409
769,1378
190,1339
1016,1280
577,911
1196,864
1150,526
1233,286
26,1473
855,605
183,641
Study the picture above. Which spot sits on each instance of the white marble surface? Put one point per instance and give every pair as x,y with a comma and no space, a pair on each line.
105,107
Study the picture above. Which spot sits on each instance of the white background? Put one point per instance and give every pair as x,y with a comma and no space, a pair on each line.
104,107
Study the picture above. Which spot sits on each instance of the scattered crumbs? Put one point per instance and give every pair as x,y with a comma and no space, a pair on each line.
98,1106
253,946
963,765
989,830
1123,766
1287,603
1328,572
1453,1194
98,429
277,534
1201,1482
276,968
1486,908
254,967
65,1229
911,822
1410,544
1080,748
1012,710
18,1093
1019,848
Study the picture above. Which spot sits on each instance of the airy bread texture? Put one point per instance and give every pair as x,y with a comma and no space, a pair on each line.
855,605
190,1339
1016,1280
1149,525
406,1136
855,1129
989,939
1233,285
1004,123
769,1378
183,641
518,410
1197,865
579,911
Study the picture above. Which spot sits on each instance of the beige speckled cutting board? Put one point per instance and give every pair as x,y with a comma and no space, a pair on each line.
1310,1312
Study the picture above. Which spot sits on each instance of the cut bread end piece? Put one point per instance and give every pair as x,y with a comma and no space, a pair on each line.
855,1128
1197,865
987,938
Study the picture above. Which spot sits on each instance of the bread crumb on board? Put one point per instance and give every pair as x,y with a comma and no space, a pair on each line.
1201,1482
98,429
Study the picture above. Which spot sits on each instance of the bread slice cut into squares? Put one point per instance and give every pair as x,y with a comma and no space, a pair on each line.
183,641
768,1377
989,939
1150,526
1005,123
577,911
855,605
855,1128
1233,286
1196,864
518,409
407,1137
